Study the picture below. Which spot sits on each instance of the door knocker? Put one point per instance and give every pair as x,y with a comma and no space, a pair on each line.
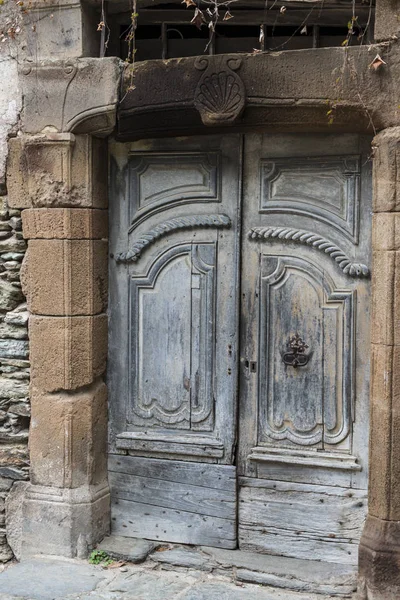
296,357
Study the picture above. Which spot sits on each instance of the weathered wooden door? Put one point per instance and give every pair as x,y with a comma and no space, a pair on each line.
302,348
303,433
174,242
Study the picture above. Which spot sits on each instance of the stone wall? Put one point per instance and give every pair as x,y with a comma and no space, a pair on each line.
14,363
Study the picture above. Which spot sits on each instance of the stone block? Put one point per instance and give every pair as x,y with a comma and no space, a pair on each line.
384,467
13,389
67,352
12,246
10,296
65,277
10,105
61,31
386,231
383,297
5,550
380,462
160,586
15,456
387,20
134,550
13,331
183,557
64,522
68,437
14,516
386,174
65,223
57,170
12,348
78,95
379,560
49,579
381,425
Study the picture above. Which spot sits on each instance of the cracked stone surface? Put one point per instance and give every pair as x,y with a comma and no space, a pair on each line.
134,550
57,579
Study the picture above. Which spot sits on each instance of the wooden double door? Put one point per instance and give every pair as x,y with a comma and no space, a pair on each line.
239,342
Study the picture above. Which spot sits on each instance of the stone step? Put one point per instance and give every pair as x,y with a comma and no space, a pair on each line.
296,575
133,550
293,574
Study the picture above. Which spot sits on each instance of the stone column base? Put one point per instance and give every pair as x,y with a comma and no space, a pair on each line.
379,560
64,522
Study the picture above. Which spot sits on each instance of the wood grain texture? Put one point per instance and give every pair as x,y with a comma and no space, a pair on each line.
174,313
173,501
223,478
303,431
175,353
133,519
302,521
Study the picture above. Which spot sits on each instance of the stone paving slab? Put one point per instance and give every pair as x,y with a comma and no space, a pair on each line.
56,579
289,573
134,550
215,590
158,585
274,571
48,579
183,557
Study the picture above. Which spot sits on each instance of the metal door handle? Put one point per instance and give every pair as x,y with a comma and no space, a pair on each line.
296,357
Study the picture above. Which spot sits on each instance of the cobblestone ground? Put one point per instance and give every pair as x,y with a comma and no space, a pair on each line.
51,579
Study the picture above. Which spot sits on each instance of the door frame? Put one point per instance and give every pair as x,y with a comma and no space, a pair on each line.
70,494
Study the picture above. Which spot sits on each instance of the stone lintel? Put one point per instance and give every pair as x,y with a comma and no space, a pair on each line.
65,223
79,95
166,99
67,352
57,170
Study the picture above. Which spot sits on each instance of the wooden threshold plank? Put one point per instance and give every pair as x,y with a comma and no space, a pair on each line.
171,494
133,519
221,477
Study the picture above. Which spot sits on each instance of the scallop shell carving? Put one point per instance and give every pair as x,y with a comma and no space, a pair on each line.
220,94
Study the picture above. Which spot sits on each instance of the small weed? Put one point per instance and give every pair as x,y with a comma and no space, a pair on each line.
99,557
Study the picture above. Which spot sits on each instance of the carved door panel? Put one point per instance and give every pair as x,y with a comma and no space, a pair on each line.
173,338
303,431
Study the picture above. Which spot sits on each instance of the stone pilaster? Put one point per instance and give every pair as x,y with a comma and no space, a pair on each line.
379,558
64,276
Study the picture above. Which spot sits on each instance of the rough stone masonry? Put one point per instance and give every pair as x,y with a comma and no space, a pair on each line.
14,364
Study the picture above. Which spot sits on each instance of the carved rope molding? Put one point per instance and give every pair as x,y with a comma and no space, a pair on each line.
307,237
166,227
